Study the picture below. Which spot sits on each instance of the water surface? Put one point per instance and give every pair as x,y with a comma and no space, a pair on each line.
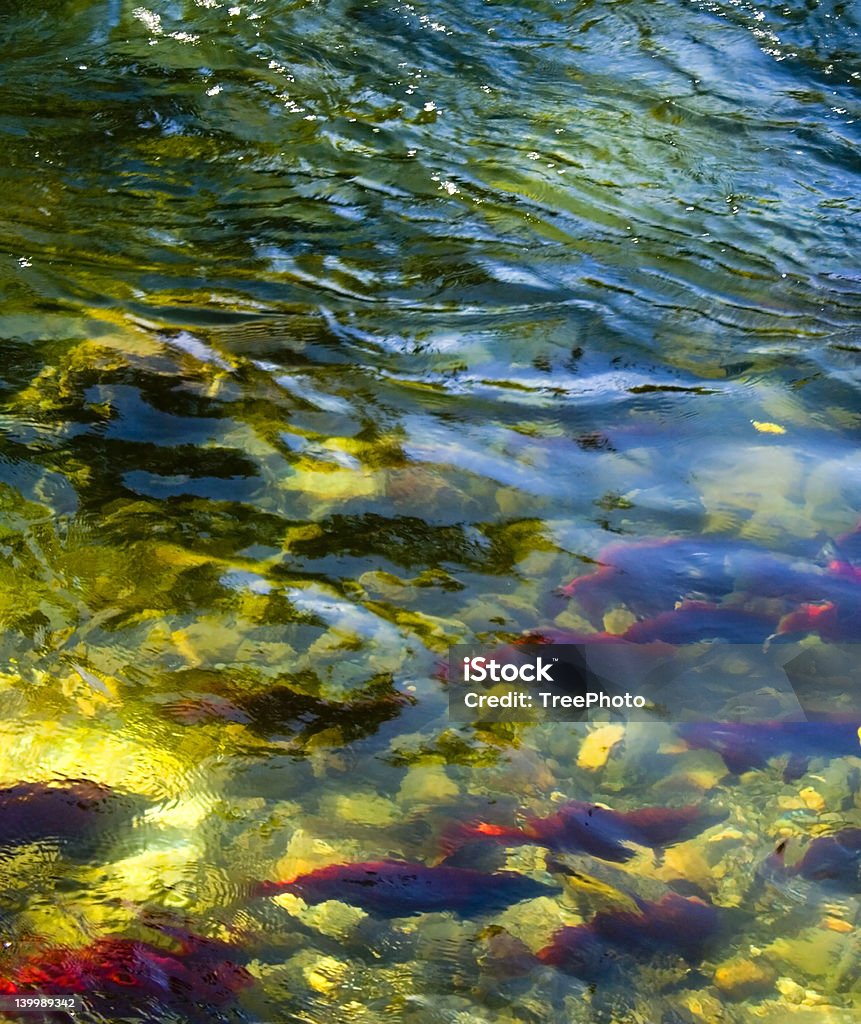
333,334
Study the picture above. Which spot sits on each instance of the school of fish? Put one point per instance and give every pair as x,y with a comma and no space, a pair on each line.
680,591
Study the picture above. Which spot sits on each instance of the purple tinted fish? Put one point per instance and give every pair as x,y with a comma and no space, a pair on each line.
746,745
68,812
685,927
581,827
391,888
834,858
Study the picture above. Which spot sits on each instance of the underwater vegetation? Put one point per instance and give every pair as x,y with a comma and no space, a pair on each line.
285,711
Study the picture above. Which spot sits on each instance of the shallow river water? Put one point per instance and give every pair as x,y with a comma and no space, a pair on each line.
333,334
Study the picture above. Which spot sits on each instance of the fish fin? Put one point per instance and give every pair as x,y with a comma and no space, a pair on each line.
795,768
774,866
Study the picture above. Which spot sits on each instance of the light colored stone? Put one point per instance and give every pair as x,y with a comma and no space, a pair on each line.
686,860
790,803
306,852
836,924
595,750
326,975
332,918
618,620
813,952
791,991
534,921
707,1007
362,808
427,784
741,978
812,800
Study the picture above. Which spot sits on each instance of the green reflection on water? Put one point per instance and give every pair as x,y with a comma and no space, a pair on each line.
335,334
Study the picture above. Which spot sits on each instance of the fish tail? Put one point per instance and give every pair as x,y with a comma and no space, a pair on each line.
775,864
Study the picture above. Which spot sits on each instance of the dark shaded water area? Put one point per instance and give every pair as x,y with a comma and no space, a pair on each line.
335,334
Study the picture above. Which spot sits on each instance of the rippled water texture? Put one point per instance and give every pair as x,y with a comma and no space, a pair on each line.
335,333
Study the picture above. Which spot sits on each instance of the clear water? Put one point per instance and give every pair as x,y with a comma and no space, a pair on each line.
333,334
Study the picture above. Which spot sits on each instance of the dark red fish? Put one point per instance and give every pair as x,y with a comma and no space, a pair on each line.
834,858
693,621
198,973
650,576
71,812
392,888
581,827
687,623
747,745
683,926
653,577
835,622
581,951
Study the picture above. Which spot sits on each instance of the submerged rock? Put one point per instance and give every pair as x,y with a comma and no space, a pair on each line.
362,808
427,784
741,978
596,749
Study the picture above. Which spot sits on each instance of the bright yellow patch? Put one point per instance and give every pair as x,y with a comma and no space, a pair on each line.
326,975
596,748
687,861
596,889
673,747
618,620
768,428
836,924
813,800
